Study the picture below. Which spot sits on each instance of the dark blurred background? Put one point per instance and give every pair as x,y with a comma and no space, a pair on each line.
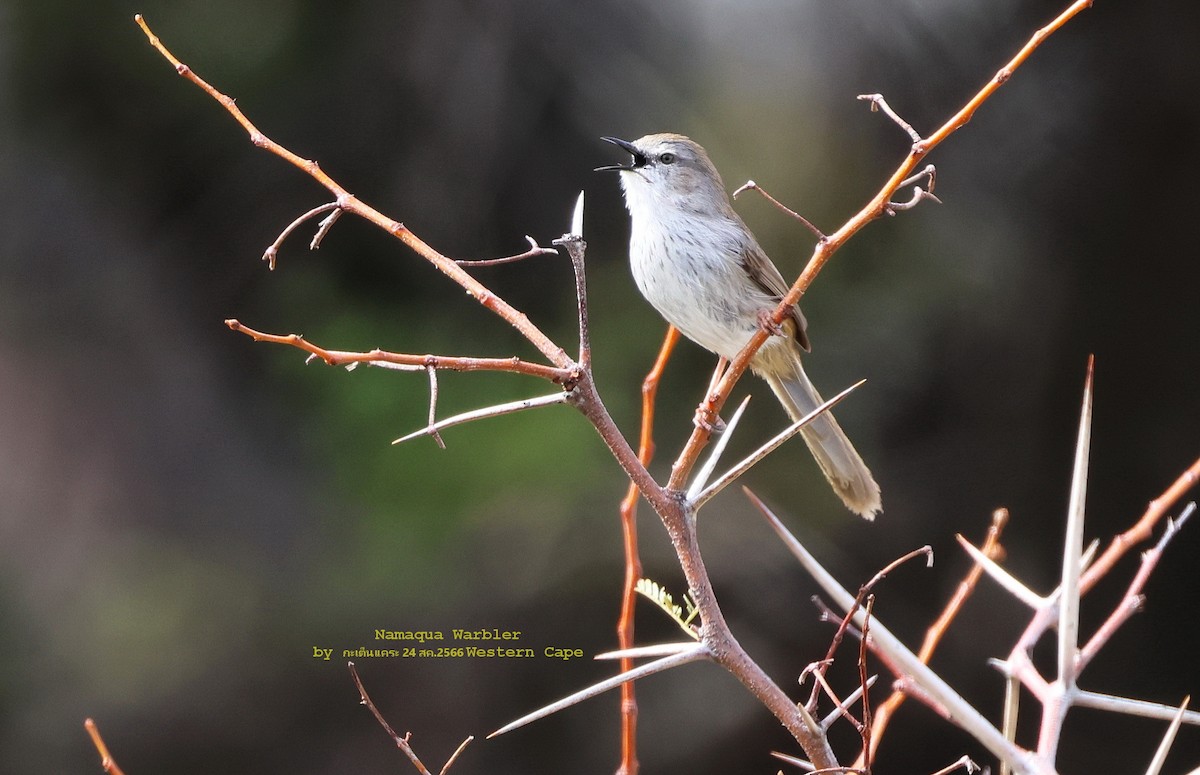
185,515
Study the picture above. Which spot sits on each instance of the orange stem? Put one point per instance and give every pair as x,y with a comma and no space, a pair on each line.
633,563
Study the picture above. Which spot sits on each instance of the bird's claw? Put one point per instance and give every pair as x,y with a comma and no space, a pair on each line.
767,324
715,426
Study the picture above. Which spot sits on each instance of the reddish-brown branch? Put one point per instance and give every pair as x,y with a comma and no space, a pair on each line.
453,363
106,760
825,249
349,203
633,563
1142,529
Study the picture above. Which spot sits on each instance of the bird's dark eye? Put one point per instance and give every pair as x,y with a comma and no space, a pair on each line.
667,158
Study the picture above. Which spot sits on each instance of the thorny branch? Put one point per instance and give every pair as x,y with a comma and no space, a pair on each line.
677,515
383,358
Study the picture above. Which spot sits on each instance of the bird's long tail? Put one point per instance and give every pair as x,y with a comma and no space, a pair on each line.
839,461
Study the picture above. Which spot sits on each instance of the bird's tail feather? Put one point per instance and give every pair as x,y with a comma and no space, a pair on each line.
839,461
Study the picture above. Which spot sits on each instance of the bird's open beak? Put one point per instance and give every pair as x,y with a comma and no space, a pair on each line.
639,158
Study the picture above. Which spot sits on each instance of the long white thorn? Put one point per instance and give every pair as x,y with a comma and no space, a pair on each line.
656,650
1160,756
577,217
745,465
1068,611
698,651
718,448
490,411
1002,577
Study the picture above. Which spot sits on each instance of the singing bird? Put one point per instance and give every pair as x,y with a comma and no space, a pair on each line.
697,263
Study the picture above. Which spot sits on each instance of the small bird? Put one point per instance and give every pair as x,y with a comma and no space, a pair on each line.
697,263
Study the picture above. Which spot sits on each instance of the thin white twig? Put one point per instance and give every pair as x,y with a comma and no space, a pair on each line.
534,250
698,651
745,465
879,103
272,251
490,411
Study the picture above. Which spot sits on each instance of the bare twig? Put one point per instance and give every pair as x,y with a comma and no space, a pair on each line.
433,397
534,250
400,741
323,228
272,252
561,376
878,103
919,194
1143,528
865,728
454,756
750,185
106,760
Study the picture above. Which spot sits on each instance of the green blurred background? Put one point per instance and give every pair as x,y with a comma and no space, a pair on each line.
184,514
